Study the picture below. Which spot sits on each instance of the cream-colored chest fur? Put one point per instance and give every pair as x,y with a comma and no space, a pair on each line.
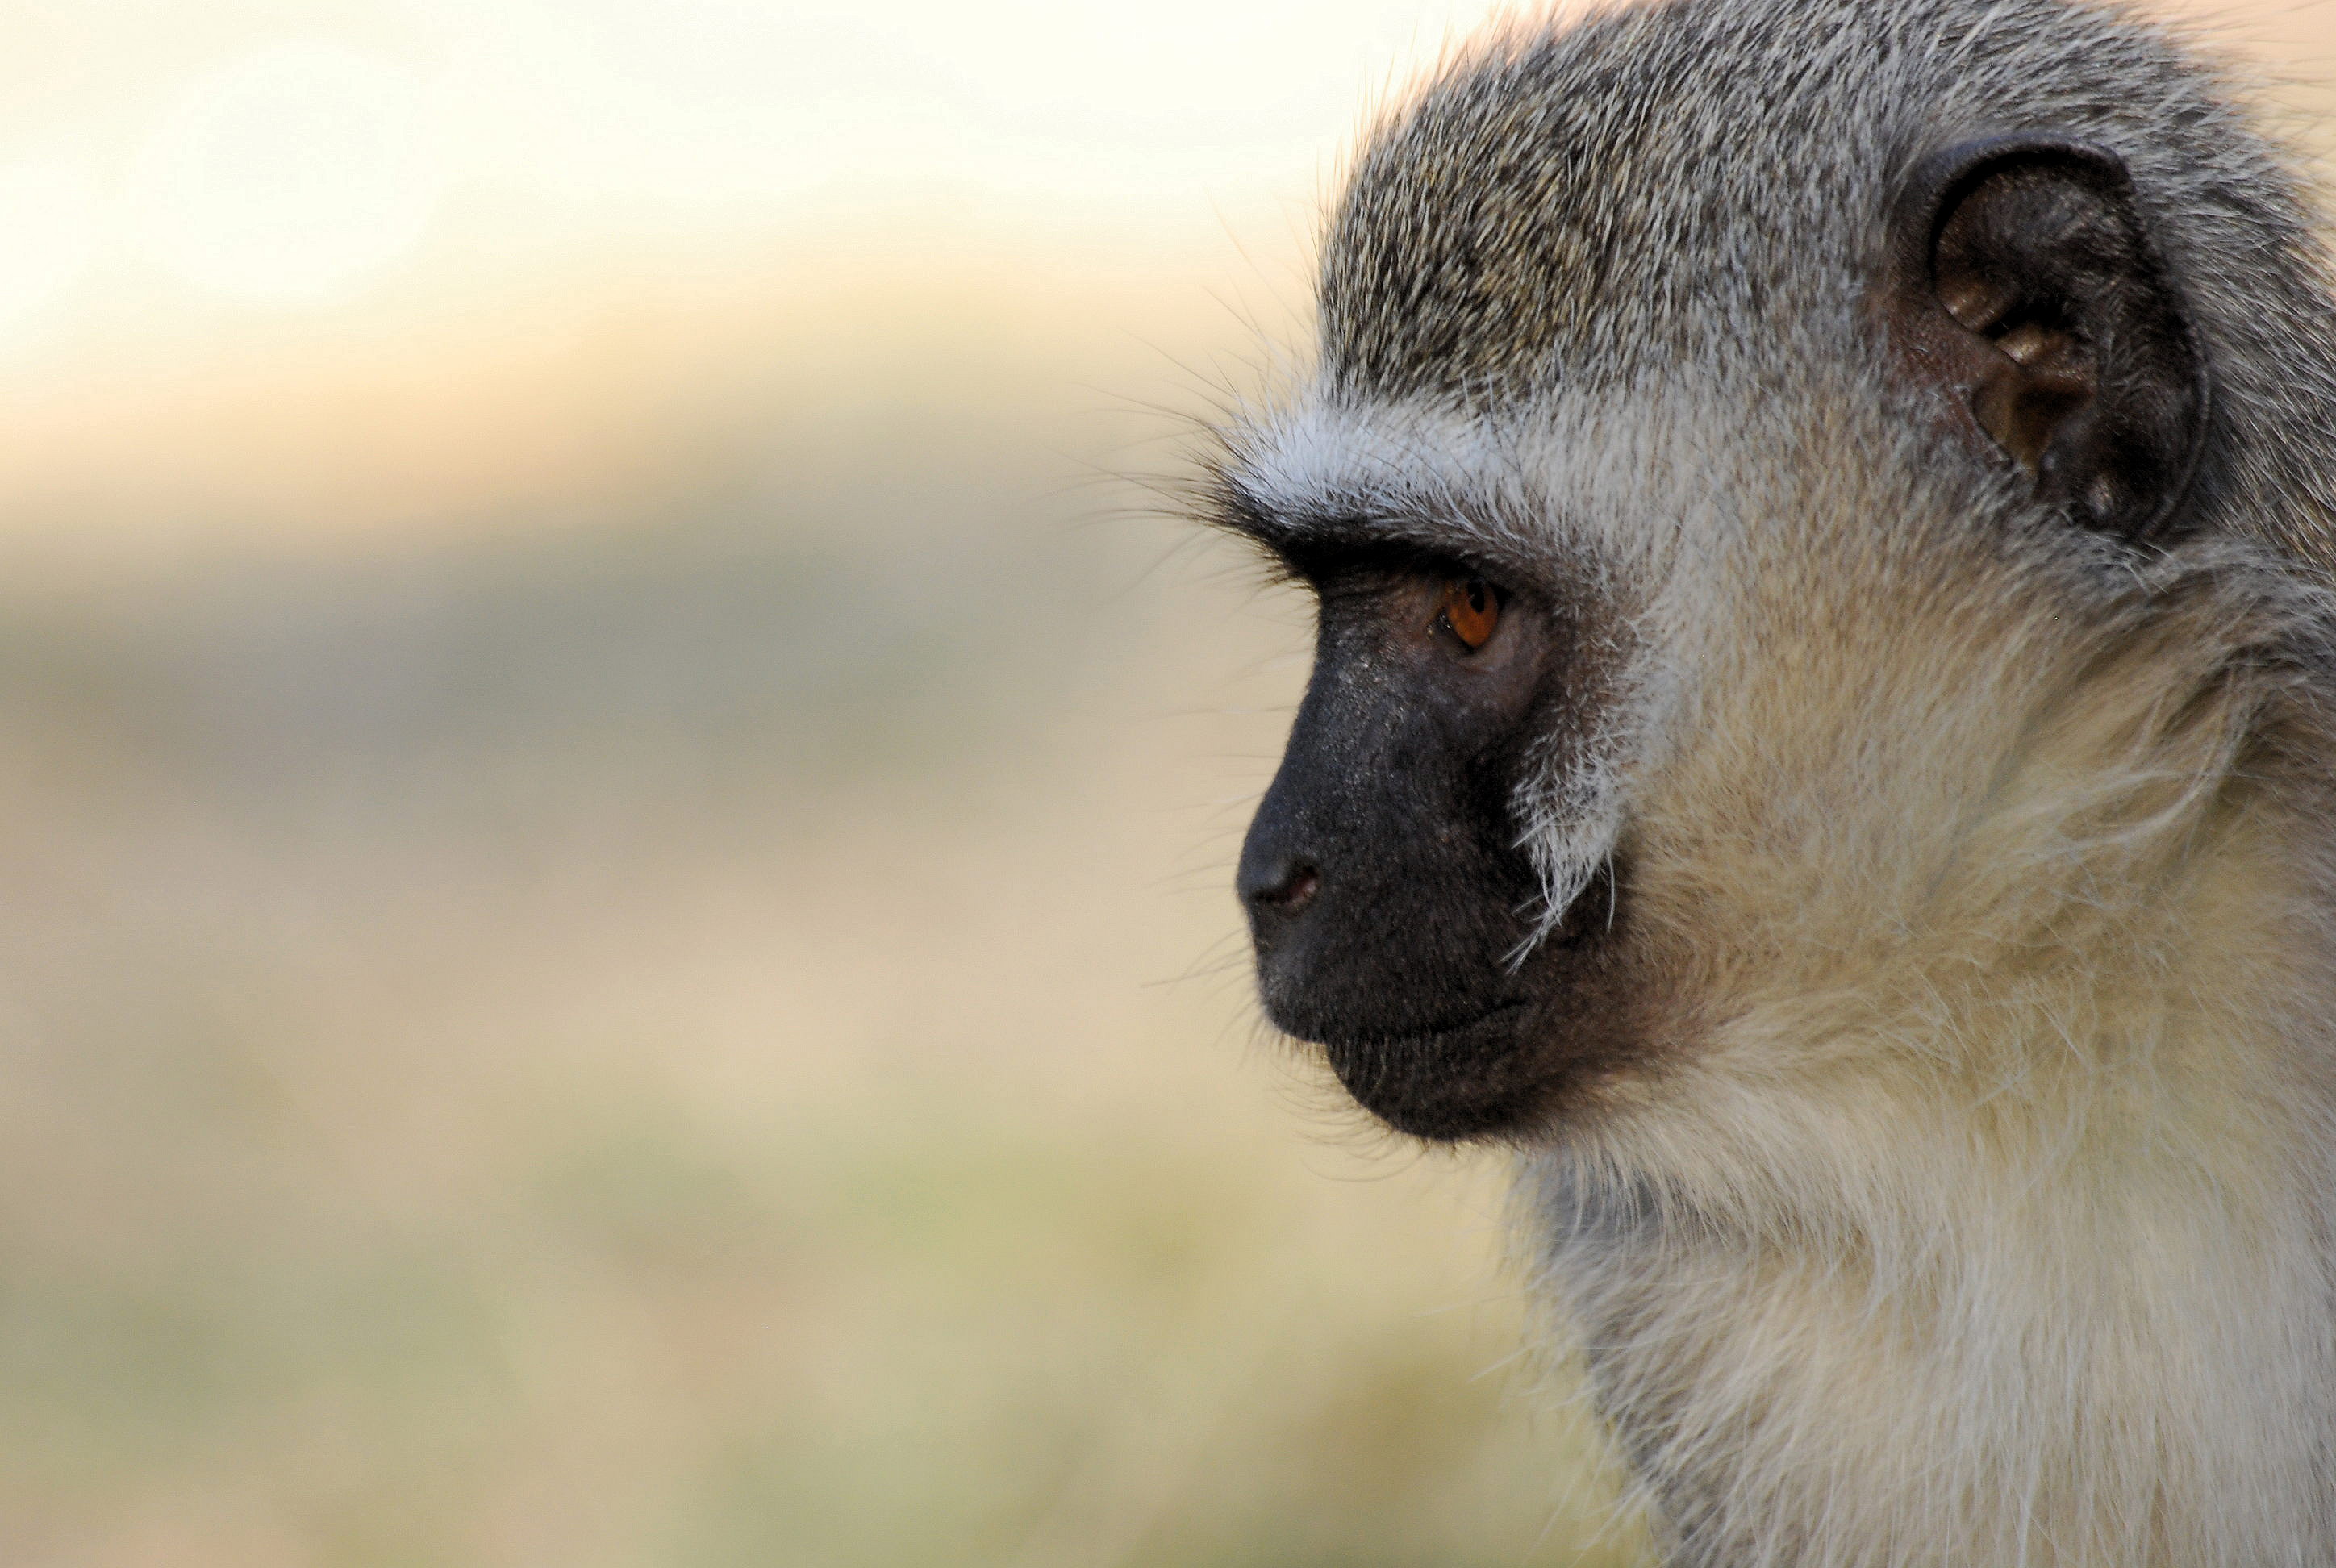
1988,1241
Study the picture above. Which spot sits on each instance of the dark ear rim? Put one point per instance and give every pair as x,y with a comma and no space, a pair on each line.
1926,202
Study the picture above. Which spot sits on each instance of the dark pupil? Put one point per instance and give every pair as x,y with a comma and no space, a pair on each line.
1475,593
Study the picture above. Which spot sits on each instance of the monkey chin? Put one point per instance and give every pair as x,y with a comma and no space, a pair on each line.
1475,1080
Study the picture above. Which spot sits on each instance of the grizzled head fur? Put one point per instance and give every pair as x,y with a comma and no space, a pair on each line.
1707,185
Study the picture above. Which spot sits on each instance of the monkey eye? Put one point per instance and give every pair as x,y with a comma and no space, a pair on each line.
1471,606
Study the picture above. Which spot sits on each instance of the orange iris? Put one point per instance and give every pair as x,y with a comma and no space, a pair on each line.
1470,610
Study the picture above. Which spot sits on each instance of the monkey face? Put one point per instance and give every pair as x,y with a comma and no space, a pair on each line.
1398,919
1607,765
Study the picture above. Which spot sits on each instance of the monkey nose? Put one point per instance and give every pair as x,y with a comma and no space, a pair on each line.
1280,885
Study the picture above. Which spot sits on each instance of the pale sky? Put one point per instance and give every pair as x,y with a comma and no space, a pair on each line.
161,159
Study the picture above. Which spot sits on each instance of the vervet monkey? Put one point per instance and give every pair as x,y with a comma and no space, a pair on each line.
1822,737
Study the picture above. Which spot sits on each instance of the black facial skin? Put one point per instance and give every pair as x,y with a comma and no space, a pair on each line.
1385,893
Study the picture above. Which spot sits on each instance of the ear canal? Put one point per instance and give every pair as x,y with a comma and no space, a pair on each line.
2034,295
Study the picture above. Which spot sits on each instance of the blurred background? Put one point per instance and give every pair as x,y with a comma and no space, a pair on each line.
616,803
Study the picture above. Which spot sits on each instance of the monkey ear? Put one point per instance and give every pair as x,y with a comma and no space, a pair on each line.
2029,291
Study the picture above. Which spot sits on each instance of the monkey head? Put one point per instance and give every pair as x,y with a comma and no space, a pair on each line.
1734,546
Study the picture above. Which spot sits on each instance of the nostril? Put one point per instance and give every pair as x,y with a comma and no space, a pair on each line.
1277,877
1292,891
1305,881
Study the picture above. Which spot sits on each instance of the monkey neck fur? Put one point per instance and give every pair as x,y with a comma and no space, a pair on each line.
1986,1220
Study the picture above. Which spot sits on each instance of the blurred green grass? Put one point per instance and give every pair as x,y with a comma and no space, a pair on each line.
709,1033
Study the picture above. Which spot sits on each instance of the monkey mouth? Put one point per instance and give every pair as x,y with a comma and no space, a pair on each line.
1499,1068
1467,1079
